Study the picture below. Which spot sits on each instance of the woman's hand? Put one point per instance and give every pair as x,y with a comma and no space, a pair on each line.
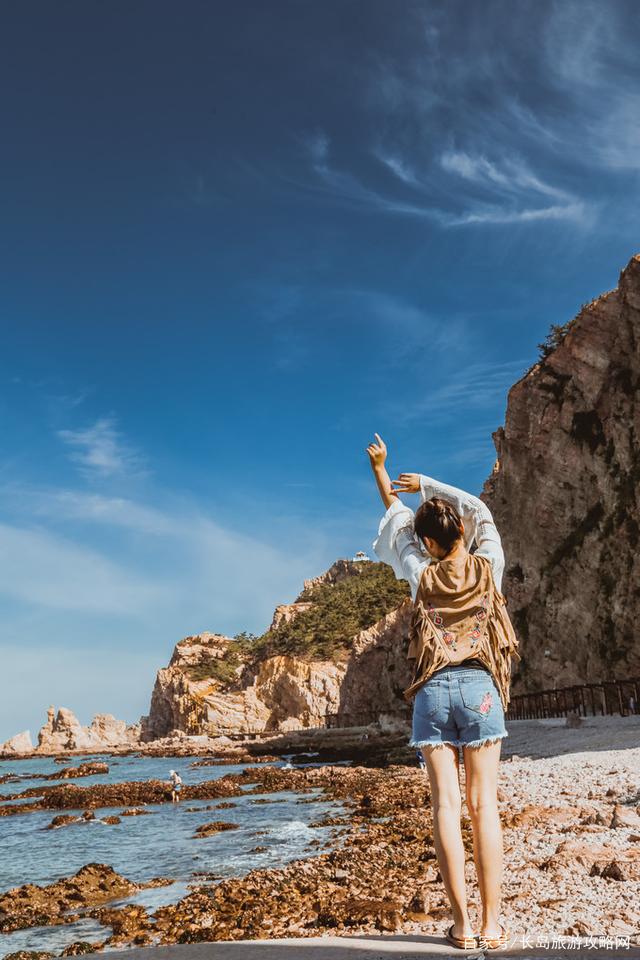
406,483
377,453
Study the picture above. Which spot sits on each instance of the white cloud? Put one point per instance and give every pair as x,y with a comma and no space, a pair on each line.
173,561
514,188
44,569
399,167
515,176
480,213
113,580
99,449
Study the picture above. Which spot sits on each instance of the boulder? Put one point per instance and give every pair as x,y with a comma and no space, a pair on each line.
18,745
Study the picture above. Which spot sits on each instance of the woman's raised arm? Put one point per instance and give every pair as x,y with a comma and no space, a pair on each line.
396,543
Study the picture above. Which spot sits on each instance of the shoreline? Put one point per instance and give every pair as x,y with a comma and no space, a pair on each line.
570,809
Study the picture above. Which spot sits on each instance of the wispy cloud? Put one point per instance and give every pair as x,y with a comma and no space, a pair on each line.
398,167
474,387
514,190
464,135
348,188
509,174
175,558
100,451
42,568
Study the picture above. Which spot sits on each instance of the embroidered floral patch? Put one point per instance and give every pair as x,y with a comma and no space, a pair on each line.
487,703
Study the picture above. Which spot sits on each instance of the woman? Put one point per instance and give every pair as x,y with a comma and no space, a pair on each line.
456,705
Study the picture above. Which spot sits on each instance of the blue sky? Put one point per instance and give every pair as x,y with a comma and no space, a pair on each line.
237,239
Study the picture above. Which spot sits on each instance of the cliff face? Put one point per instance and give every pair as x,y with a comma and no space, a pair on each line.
564,493
214,686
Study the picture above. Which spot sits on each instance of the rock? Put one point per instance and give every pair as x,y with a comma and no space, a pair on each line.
568,467
73,797
29,955
63,820
419,907
624,817
287,612
574,720
32,905
596,861
93,769
80,948
625,866
130,924
17,745
217,826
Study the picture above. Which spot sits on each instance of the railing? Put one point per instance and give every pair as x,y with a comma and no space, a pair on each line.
588,699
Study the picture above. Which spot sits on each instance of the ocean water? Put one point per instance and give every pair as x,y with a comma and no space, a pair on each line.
160,844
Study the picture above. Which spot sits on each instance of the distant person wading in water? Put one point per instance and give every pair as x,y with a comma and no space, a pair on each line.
176,785
461,642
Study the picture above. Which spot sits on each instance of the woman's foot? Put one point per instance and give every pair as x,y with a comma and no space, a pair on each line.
462,936
462,930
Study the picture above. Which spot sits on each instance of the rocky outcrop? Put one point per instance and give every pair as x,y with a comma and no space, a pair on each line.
339,570
210,689
284,693
287,612
63,732
564,493
179,701
17,746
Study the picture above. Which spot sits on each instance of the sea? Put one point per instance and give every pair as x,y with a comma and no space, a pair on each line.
143,847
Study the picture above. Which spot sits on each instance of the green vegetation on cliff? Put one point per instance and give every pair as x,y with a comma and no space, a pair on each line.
224,669
339,612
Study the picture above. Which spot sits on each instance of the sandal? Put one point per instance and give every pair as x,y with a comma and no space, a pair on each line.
492,943
464,943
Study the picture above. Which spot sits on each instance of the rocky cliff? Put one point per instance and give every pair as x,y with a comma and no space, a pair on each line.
564,493
313,667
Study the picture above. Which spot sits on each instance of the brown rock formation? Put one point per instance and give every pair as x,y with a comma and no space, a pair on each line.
93,884
340,570
564,493
284,693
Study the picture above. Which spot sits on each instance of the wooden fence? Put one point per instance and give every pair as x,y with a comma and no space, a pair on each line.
588,699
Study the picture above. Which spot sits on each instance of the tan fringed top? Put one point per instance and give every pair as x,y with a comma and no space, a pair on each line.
455,588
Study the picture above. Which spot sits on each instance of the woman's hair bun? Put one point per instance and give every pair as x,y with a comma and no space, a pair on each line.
438,519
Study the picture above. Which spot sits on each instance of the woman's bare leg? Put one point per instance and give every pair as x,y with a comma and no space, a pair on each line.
481,768
443,768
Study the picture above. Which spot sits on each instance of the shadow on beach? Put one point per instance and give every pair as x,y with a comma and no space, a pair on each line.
367,947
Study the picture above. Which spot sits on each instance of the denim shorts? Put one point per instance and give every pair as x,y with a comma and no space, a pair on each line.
460,706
